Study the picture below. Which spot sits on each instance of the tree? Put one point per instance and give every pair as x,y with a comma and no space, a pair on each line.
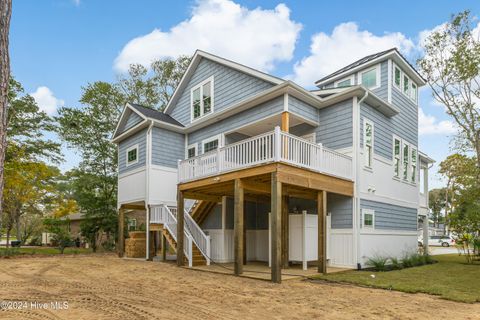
437,203
153,89
5,15
59,229
451,66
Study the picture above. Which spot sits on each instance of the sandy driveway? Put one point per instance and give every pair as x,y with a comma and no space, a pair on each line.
105,287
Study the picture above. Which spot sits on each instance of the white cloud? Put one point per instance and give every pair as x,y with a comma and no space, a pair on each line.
46,100
345,45
429,125
76,2
258,38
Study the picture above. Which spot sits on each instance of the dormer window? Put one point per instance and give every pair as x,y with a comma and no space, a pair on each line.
370,78
346,82
202,99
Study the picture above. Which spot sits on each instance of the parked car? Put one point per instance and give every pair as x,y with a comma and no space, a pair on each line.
444,241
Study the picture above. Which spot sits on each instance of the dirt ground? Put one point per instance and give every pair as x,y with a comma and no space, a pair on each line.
106,287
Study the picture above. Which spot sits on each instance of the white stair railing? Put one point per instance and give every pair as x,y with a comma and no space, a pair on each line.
201,240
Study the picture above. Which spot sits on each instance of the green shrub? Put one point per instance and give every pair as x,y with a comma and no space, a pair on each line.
395,263
378,263
9,252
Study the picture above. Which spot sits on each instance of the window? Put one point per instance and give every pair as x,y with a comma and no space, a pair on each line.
344,82
210,146
132,155
191,151
397,77
368,142
406,156
202,99
406,85
369,78
396,156
368,220
132,224
414,165
413,92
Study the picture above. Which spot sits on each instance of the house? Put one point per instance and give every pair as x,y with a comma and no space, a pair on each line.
261,169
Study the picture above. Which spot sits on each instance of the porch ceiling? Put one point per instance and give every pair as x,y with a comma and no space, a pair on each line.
299,183
268,124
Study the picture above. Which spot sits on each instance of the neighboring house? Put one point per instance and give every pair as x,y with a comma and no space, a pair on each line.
277,173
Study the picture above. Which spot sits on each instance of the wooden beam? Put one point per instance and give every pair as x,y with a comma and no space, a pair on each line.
200,196
257,187
276,208
322,232
285,235
180,226
133,207
121,235
238,213
164,247
211,181
285,121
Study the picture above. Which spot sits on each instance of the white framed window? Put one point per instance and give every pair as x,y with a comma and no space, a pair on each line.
397,147
406,85
212,143
201,97
406,160
370,78
191,151
132,224
368,142
345,82
368,218
413,92
413,165
131,155
397,76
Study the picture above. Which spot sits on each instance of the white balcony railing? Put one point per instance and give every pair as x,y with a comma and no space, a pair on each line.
274,146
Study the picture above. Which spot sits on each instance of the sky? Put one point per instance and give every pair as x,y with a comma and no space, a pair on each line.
59,46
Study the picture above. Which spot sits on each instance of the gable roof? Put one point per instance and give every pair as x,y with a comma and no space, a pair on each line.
370,59
154,114
199,54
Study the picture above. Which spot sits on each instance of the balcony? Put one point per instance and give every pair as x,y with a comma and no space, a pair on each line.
273,146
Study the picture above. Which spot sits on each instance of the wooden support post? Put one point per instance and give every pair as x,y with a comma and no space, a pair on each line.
322,231
180,226
121,235
285,121
238,213
276,209
164,247
148,255
285,234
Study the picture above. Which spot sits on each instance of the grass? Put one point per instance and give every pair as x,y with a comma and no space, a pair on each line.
451,278
44,251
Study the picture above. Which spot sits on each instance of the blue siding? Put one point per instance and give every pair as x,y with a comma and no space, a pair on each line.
392,217
303,109
335,125
139,138
132,120
230,86
261,111
382,91
382,130
405,123
167,147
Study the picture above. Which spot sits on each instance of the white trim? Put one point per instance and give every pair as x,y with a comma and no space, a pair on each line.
394,137
388,232
378,197
193,145
121,119
377,76
285,102
389,81
163,168
130,163
366,161
131,172
212,99
371,212
351,78
219,137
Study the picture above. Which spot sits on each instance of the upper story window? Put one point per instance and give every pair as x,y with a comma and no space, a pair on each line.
403,83
211,144
202,99
132,155
396,157
191,151
406,160
344,82
371,78
368,142
413,164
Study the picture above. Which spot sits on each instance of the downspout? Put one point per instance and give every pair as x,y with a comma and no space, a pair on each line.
357,179
147,187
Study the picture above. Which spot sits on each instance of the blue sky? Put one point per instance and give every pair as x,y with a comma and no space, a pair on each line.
58,46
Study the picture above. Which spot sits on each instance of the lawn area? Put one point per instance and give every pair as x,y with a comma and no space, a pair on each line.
451,278
46,251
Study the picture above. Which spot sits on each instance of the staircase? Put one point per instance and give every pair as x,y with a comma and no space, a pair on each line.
201,209
196,243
